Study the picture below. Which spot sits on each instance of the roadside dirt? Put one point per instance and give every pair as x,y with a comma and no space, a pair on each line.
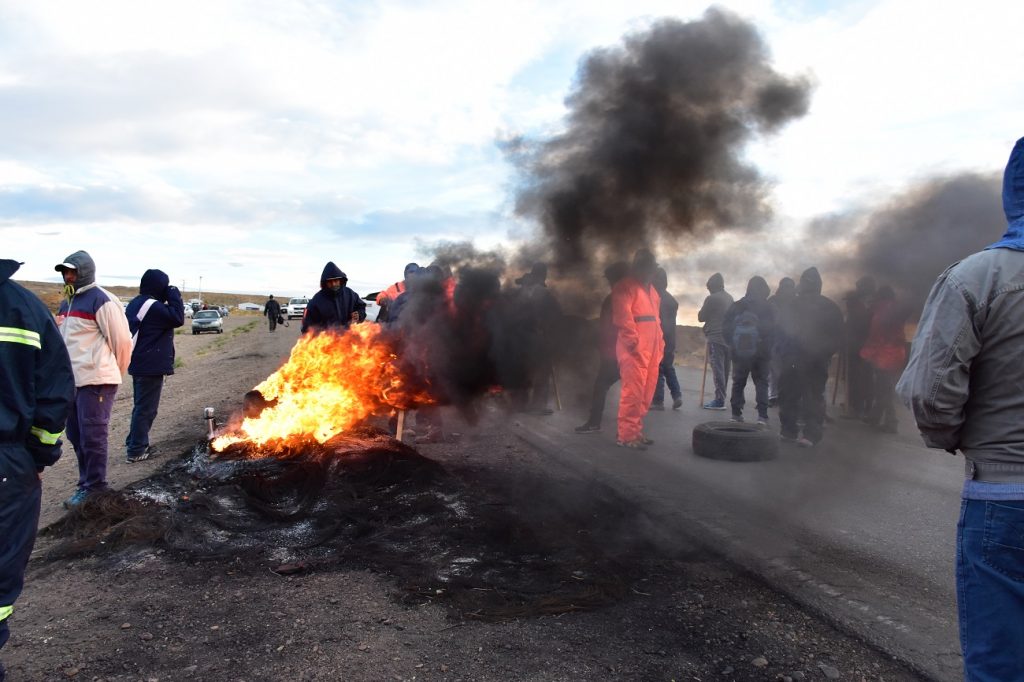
376,607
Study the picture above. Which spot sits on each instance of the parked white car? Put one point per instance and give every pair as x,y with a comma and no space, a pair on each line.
296,307
207,321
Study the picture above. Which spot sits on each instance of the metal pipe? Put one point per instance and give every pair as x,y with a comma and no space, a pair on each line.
208,416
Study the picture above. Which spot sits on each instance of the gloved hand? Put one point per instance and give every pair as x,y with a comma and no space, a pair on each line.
43,455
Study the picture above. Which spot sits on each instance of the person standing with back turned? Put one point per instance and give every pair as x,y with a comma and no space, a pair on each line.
963,384
272,311
712,314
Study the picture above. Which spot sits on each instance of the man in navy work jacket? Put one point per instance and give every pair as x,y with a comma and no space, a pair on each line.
335,306
153,316
37,390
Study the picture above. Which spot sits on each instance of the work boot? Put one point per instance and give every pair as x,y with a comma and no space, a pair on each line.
636,444
588,428
660,407
677,403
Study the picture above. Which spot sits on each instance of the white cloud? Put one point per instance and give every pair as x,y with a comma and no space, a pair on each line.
243,125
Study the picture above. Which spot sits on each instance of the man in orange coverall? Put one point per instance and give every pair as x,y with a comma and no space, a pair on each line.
638,347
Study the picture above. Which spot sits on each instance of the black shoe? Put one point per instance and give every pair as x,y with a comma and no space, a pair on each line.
773,402
677,403
588,428
540,411
658,406
141,457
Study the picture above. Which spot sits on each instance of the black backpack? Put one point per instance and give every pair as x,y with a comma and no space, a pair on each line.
745,336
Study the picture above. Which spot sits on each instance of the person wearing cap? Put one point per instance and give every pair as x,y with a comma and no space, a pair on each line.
38,389
386,299
95,331
639,346
608,369
335,306
153,316
963,385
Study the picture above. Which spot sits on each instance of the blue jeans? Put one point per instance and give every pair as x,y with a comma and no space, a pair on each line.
87,431
667,375
990,589
147,401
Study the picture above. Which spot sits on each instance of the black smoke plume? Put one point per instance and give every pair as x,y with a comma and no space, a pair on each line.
908,241
653,147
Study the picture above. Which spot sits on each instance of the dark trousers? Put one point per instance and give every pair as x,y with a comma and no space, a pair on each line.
87,431
147,401
802,397
859,380
667,375
273,322
882,409
20,495
718,358
758,369
607,376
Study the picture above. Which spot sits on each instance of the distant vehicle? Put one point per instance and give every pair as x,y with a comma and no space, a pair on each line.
207,321
250,306
188,312
296,307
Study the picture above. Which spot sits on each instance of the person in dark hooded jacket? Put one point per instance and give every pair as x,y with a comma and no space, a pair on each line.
669,310
784,295
749,327
153,316
859,382
807,334
272,311
37,392
335,306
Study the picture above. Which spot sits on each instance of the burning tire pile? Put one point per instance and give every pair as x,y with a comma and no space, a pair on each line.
363,501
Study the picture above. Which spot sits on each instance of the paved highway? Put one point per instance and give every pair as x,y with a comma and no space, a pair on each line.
860,528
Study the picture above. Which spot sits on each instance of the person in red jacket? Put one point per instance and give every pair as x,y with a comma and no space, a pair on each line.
639,346
885,350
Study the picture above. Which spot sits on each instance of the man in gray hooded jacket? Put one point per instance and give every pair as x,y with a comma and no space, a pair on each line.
712,314
963,383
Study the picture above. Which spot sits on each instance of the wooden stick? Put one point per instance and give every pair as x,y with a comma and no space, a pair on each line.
704,379
400,429
554,384
835,380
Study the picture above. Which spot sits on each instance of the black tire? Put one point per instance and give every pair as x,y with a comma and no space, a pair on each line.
735,442
220,331
194,332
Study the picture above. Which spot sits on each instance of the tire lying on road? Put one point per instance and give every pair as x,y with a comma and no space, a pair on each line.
735,442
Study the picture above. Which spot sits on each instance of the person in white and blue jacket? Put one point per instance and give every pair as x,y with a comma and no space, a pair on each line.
153,316
37,389
95,331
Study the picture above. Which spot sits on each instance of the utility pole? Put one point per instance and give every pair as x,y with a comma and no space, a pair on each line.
200,287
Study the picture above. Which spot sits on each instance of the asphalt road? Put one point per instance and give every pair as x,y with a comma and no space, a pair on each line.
860,528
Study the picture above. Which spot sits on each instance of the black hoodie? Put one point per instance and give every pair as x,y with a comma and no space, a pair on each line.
333,309
153,354
812,327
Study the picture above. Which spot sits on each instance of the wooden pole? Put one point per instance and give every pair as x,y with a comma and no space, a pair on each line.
554,385
704,378
400,429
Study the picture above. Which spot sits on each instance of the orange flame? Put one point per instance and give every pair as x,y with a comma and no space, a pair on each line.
331,382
